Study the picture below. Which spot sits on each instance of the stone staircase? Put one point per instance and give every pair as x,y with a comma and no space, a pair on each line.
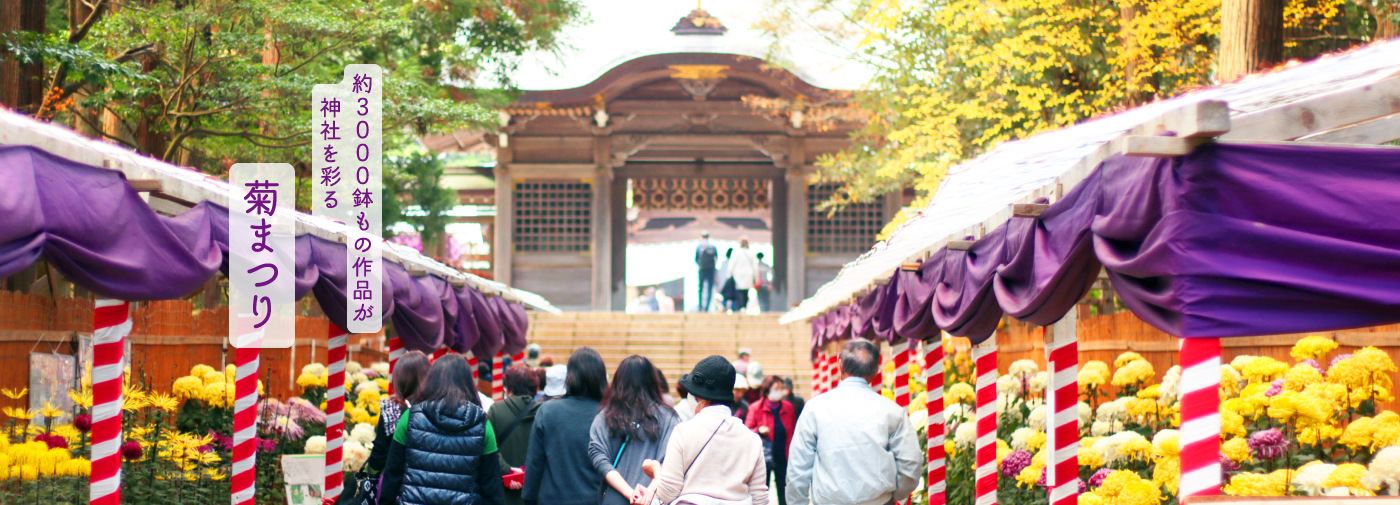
675,342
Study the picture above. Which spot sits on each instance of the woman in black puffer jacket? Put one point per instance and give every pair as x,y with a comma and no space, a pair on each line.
444,450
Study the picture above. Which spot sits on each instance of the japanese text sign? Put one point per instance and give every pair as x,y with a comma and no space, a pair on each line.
262,255
346,153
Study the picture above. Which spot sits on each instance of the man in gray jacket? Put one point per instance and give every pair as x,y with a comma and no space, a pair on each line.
851,445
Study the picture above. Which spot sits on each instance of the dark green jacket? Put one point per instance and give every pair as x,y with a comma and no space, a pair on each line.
515,446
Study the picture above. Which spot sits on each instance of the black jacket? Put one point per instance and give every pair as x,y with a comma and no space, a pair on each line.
443,460
558,469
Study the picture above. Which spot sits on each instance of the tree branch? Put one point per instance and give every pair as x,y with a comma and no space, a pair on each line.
92,18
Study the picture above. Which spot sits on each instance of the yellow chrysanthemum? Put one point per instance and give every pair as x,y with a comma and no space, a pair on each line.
218,394
1237,449
81,397
1358,433
1002,450
199,371
1318,434
1139,492
1152,392
1116,482
1095,365
1346,475
1229,381
1138,448
1028,476
231,372
1089,458
188,388
1264,369
1300,377
1091,378
1374,360
307,380
1092,498
1255,484
214,376
163,401
961,392
1313,347
382,383
1125,358
14,394
1166,473
1035,441
1133,373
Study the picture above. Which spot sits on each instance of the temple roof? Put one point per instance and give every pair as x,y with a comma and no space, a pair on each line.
621,31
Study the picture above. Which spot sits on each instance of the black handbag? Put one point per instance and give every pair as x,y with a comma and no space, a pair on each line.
768,453
365,490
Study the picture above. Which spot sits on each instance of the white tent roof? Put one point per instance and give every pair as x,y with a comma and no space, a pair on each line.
977,195
193,186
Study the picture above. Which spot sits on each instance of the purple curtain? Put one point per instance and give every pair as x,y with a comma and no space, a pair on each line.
1228,241
513,325
98,232
490,335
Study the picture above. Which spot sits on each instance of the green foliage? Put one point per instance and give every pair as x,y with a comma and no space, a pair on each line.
417,178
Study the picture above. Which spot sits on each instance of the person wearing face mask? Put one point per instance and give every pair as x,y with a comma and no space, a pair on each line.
774,419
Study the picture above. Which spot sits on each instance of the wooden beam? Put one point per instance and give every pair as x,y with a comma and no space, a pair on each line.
145,185
1028,209
457,283
911,266
960,245
677,107
416,271
524,171
746,170
1320,113
1159,146
1209,118
1376,131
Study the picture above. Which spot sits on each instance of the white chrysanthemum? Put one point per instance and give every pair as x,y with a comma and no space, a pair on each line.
380,368
1023,368
1107,447
353,367
315,445
966,435
918,419
358,378
1113,411
1310,478
314,369
367,385
362,433
1105,428
1021,438
1036,419
1086,413
1008,386
1242,361
956,414
353,455
1384,471
1163,435
1039,382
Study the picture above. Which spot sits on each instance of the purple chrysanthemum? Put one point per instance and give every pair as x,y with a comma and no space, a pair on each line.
1275,388
272,407
304,410
131,450
82,422
1018,460
1313,363
1227,464
1041,481
1268,444
1083,488
1337,359
370,373
1097,479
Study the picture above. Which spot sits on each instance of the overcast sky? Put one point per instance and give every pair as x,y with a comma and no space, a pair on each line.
621,30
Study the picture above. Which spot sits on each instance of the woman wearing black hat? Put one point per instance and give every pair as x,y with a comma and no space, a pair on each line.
712,458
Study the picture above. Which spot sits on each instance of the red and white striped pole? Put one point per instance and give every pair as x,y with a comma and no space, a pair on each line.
833,371
395,352
1062,399
498,389
817,373
473,363
936,484
899,352
245,416
335,413
437,354
518,358
878,382
111,324
984,356
1200,417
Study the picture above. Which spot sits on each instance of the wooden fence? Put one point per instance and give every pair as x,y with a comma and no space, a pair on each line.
168,338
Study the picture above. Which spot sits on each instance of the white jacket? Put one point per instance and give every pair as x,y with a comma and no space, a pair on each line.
743,267
852,447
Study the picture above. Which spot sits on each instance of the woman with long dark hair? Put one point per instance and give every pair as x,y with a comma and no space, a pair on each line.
632,426
558,469
774,419
444,450
408,375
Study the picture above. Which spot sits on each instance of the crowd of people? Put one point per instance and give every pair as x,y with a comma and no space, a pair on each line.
728,434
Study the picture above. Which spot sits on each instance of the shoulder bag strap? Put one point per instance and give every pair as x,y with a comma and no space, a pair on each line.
702,450
510,426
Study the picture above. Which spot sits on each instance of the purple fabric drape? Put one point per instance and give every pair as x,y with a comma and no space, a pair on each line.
490,335
1236,240
98,232
513,325
1230,240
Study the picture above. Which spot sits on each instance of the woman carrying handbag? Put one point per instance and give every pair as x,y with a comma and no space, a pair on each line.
774,419
712,459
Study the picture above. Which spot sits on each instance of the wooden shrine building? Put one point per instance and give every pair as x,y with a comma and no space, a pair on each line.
682,134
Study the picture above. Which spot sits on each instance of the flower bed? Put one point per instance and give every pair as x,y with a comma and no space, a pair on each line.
1311,428
176,447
